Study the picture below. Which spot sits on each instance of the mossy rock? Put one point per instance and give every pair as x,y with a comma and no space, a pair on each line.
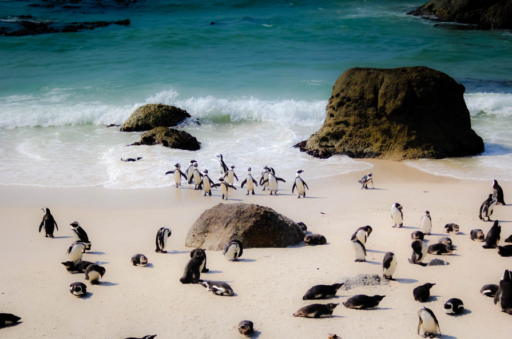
169,137
154,115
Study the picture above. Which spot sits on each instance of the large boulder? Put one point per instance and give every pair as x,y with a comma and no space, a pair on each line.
396,114
154,115
487,14
169,137
253,225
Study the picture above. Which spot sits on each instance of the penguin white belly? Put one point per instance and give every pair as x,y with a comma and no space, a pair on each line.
391,270
426,225
177,177
206,185
272,184
201,267
424,251
361,236
250,183
165,241
224,189
230,253
429,324
76,253
397,216
190,174
94,276
300,186
265,177
78,293
231,177
490,210
197,177
359,251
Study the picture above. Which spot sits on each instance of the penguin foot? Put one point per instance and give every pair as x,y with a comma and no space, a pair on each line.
394,226
157,250
422,264
247,193
164,251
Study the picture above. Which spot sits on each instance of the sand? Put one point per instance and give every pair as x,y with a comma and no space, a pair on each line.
269,283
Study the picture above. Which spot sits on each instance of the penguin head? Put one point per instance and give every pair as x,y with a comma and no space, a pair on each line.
219,156
249,169
205,171
221,179
307,239
195,164
368,229
299,171
265,168
331,306
507,276
337,286
370,175
143,259
149,336
379,297
75,224
397,205
178,166
46,210
427,212
192,162
495,182
232,166
205,283
168,230
428,285
448,307
67,264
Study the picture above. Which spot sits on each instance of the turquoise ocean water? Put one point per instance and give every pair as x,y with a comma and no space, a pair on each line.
259,80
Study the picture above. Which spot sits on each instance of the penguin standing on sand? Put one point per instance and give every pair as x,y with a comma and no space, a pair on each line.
233,250
504,293
365,180
190,171
428,322
419,251
264,176
497,193
487,208
397,215
363,233
75,251
360,250
300,184
48,222
161,239
251,183
177,175
493,236
389,265
426,224
196,177
202,267
80,234
223,168
272,183
207,184
230,175
225,188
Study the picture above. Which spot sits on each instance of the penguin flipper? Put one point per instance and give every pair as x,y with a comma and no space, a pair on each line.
305,185
272,170
41,226
211,182
57,227
235,176
215,185
497,296
293,187
419,325
264,181
243,183
183,175
387,262
231,186
261,179
169,172
280,179
254,182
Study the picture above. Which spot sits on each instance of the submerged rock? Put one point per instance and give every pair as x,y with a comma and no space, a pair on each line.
487,14
169,137
154,115
395,114
362,280
253,225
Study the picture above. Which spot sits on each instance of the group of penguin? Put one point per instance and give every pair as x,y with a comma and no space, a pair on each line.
203,182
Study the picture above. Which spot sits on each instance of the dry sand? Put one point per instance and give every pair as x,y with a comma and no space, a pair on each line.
269,283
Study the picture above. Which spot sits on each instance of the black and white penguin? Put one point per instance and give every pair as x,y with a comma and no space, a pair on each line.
397,215
75,251
48,222
504,293
144,337
7,319
445,240
428,323
273,182
419,252
303,227
363,302
365,180
207,184
223,168
80,234
454,306
440,249
487,208
195,177
497,193
315,239
203,264
192,273
250,181
422,293
78,289
451,228
77,266
316,311
300,184
94,273
218,288
359,248
322,292
426,223
139,260
363,233
505,251
246,327
264,177
230,175
161,239
190,171
477,235
233,250
224,188
493,236
389,265
417,235
178,174
489,290
131,159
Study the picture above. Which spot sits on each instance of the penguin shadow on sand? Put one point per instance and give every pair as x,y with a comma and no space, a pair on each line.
87,296
409,227
107,283
149,265
246,260
96,253
466,312
405,280
101,263
255,334
375,251
63,237
431,299
372,262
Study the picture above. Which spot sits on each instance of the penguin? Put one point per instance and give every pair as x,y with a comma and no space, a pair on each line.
303,227
428,322
218,288
192,273
315,239
417,235
207,184
48,222
477,235
75,251
489,290
505,251
203,264
161,239
225,188
139,260
190,171
196,177
246,327
487,208
250,181
454,306
316,310
389,265
131,159
445,240
451,228
80,234
440,249
509,239
144,337
78,289
76,266
223,168
397,215
426,223
273,182
300,184
94,273
493,236
177,175
419,251
363,233
322,292
233,250
422,293
360,250
264,176
363,302
365,180
7,319
230,175
497,193
504,293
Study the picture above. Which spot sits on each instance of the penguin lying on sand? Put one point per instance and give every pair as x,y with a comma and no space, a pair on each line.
316,311
78,289
477,235
246,327
315,239
321,291
363,302
218,288
454,306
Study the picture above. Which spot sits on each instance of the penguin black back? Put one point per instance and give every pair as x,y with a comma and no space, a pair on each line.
48,222
497,193
7,319
493,236
192,272
422,293
321,291
193,252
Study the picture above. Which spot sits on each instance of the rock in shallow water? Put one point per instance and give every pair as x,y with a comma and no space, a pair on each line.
169,137
154,115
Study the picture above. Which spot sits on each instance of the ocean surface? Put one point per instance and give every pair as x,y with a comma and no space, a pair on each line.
258,79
